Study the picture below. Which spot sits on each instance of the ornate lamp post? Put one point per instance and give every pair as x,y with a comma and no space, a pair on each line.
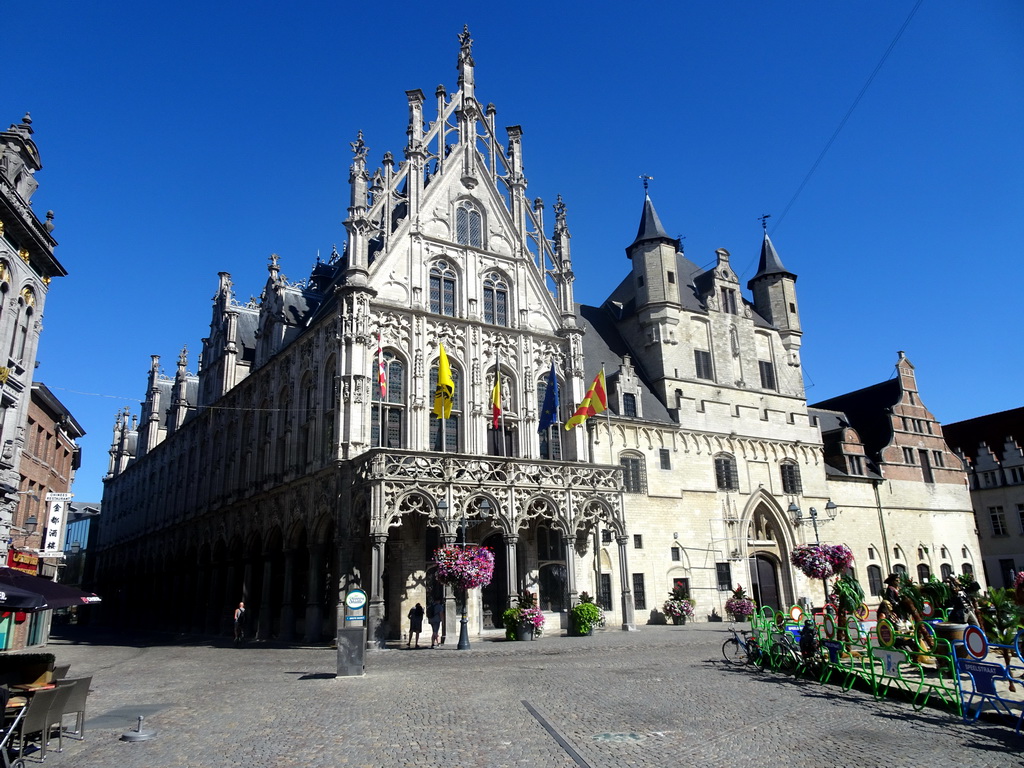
831,510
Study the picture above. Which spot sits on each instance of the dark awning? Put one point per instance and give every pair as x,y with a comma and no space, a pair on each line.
15,599
55,595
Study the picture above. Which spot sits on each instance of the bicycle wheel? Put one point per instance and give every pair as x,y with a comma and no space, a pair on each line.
732,651
754,655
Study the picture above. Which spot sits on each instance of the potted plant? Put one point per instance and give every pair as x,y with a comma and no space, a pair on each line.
525,620
585,615
1003,619
679,606
739,605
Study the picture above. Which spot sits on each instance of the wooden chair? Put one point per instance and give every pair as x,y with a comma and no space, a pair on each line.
76,704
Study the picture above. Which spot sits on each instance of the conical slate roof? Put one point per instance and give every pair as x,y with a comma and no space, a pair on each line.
650,226
770,263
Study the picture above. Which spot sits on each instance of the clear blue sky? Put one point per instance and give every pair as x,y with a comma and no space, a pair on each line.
183,139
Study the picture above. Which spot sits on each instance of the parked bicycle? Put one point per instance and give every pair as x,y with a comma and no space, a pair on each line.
741,648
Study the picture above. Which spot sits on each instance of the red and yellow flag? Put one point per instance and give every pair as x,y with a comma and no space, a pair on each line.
496,399
382,379
595,402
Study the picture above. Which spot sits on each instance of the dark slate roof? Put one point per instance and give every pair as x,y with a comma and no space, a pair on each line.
831,424
650,227
603,343
991,429
868,411
770,263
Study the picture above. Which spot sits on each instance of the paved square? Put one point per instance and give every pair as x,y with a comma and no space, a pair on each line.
661,696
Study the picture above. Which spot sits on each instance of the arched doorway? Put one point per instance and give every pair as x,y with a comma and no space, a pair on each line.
764,581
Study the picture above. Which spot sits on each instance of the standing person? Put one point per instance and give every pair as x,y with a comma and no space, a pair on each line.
435,614
415,624
240,623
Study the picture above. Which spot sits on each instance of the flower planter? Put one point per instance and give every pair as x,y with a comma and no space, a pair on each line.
524,632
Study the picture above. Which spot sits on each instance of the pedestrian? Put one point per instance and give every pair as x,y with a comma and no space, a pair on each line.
240,623
435,615
415,624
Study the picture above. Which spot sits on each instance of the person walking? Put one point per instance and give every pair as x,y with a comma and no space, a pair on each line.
435,615
415,624
240,623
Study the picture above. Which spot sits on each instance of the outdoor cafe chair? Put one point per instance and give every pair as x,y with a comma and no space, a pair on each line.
60,671
36,720
75,704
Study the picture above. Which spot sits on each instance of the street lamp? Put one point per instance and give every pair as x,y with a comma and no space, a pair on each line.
831,510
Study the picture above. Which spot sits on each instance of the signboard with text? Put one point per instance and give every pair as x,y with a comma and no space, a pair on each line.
56,507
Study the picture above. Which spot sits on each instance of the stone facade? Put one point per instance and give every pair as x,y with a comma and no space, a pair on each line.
284,473
990,446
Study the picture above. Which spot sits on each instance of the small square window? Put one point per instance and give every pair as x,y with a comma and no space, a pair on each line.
671,277
724,574
638,541
676,555
606,536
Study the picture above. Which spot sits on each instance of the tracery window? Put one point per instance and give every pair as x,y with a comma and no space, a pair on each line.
634,476
550,439
791,478
468,225
392,406
443,281
495,299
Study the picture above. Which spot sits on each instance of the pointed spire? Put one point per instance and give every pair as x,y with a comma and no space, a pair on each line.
650,227
770,263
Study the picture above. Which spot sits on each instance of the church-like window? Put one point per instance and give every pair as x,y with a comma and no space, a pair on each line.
495,299
468,225
451,424
443,280
551,438
391,406
501,440
634,477
307,425
552,576
729,301
791,478
331,397
726,478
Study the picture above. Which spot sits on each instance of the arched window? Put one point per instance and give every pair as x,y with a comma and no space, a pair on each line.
307,419
451,424
443,280
923,573
331,398
551,438
900,569
19,339
391,406
468,225
495,299
875,580
629,404
726,478
946,570
967,569
501,440
553,581
791,478
634,476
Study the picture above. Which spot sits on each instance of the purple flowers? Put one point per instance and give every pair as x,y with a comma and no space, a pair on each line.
677,608
464,567
532,618
819,561
740,606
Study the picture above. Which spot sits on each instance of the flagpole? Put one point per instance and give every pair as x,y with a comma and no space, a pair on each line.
501,410
608,415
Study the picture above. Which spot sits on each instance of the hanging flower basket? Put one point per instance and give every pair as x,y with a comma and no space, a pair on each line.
813,561
819,561
464,567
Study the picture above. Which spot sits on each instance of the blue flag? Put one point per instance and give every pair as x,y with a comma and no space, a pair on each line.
549,412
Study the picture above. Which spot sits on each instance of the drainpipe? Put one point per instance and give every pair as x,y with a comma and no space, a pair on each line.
881,525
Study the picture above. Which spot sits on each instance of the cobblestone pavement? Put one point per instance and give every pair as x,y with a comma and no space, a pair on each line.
661,696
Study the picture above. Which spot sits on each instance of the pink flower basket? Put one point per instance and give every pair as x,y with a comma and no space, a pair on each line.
464,567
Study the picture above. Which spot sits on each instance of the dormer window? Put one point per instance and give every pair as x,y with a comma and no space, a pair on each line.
729,301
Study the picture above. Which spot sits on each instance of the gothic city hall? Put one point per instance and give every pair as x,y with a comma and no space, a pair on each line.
305,457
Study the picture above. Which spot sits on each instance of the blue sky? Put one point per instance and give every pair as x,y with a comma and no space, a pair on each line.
181,140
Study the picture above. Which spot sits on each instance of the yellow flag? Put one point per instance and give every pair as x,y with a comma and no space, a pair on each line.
445,392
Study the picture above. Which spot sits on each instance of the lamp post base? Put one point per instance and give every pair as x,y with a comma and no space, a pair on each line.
463,635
